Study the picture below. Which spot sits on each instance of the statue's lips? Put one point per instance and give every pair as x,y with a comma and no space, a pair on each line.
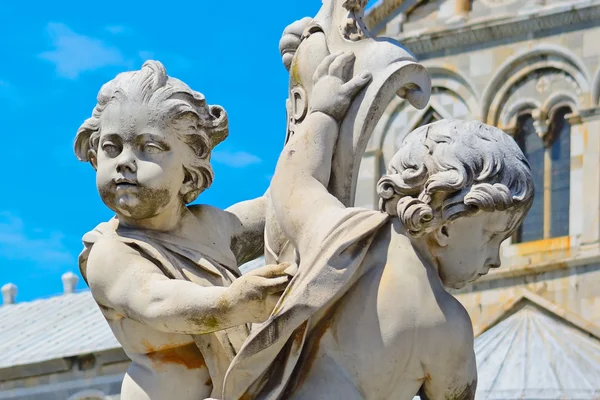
125,185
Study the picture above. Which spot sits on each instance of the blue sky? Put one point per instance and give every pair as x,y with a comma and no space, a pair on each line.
56,55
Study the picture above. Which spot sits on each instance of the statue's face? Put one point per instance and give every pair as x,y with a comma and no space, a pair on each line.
139,161
470,246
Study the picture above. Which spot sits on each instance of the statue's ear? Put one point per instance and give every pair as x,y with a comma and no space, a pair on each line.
188,187
441,235
93,159
299,104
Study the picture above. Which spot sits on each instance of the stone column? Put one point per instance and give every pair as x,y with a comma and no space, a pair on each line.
590,177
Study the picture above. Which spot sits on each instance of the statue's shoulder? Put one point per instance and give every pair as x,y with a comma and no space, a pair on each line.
451,319
221,222
110,247
104,244
105,231
204,212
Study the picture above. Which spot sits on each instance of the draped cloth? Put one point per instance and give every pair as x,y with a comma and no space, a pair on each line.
175,256
268,360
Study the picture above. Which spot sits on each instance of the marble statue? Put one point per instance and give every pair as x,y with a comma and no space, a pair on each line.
367,315
395,72
164,274
352,303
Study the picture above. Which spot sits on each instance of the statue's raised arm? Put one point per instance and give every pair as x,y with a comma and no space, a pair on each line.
304,167
338,26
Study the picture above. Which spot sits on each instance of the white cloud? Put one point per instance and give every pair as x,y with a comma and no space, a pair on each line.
74,54
238,159
17,242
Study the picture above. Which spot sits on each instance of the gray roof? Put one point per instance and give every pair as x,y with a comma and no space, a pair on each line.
58,327
48,329
536,354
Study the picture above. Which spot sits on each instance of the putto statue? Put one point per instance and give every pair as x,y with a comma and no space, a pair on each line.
367,315
166,275
353,302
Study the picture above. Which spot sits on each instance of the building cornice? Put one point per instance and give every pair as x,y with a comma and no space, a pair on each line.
428,44
383,10
58,365
541,262
587,114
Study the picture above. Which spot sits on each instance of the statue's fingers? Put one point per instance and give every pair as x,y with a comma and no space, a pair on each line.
297,27
341,64
270,271
357,83
277,285
291,39
292,270
323,67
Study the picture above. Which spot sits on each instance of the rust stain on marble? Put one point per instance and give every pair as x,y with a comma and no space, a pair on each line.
188,355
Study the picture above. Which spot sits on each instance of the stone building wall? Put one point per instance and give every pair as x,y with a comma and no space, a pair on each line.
501,63
101,381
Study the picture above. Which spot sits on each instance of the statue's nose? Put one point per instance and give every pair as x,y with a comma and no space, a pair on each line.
126,162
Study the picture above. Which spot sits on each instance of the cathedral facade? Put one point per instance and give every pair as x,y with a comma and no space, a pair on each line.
531,68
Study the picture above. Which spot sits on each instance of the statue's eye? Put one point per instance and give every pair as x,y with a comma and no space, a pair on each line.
110,149
153,148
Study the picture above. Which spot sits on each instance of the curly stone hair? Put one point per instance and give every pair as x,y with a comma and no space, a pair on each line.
451,169
152,87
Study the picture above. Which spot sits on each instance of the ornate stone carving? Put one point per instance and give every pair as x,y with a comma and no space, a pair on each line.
453,193
363,313
461,38
311,346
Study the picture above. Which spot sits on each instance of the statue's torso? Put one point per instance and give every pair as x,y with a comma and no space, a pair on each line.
374,343
161,358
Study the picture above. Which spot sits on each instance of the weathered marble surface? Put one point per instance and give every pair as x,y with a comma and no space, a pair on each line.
364,313
367,315
165,274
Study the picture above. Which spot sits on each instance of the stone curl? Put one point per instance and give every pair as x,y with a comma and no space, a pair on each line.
197,124
450,169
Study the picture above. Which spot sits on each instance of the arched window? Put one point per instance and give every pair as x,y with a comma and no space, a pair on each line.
550,160
560,168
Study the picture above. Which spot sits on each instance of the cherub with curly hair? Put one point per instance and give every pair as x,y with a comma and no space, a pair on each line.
164,273
367,315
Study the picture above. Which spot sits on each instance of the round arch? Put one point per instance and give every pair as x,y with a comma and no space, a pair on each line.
447,77
518,67
443,78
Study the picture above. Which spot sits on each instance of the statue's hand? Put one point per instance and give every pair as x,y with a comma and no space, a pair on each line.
333,92
258,291
291,39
